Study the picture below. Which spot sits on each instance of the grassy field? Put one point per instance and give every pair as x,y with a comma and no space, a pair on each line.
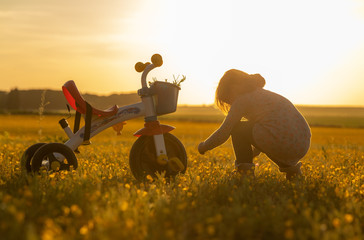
102,200
318,116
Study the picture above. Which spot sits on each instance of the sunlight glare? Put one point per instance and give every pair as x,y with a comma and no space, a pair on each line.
292,44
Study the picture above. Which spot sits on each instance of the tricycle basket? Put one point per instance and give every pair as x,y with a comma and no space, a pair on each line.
165,96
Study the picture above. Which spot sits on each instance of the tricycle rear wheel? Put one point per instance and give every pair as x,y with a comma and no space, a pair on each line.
44,158
27,156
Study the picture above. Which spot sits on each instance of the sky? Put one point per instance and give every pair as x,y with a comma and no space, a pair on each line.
310,51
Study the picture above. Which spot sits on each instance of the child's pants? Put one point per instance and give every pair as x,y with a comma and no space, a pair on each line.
242,138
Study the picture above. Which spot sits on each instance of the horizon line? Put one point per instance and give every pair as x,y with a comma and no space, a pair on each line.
193,105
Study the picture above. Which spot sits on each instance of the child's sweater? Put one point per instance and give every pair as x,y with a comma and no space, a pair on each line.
279,130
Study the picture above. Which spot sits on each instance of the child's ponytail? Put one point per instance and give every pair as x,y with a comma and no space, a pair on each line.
259,80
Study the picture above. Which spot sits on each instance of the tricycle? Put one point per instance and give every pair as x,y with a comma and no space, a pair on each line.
156,150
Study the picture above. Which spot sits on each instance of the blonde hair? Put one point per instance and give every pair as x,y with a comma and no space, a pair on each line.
235,78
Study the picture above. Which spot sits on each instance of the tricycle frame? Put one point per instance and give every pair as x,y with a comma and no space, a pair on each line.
146,108
100,124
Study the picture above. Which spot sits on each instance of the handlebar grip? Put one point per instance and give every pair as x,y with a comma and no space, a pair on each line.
139,67
157,60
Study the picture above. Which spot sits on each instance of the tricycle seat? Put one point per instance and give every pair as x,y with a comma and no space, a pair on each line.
78,103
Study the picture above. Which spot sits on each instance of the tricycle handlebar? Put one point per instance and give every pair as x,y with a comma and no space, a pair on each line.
157,61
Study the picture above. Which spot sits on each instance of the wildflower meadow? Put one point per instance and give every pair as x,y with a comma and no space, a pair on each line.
102,200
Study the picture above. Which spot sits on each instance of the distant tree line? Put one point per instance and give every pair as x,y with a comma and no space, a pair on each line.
11,100
30,100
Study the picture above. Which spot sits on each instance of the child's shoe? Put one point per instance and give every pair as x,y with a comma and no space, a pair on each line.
293,172
245,169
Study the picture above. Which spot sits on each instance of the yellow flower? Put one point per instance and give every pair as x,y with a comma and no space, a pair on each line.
210,230
336,222
348,218
124,206
289,233
84,230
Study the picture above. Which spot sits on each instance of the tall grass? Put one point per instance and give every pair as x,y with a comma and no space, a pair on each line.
102,200
41,109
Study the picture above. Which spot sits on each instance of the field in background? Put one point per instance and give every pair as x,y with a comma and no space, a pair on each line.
101,199
315,115
352,117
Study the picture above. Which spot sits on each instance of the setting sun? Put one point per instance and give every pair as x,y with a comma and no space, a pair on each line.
309,51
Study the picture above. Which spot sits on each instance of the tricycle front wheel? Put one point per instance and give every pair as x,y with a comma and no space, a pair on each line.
143,157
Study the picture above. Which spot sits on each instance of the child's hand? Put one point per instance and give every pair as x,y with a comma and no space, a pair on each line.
201,148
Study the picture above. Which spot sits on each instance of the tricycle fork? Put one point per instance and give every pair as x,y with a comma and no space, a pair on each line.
155,129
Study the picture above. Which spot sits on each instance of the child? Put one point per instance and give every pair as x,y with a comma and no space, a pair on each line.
272,124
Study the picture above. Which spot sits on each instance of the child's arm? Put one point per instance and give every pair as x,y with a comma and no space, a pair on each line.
223,132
